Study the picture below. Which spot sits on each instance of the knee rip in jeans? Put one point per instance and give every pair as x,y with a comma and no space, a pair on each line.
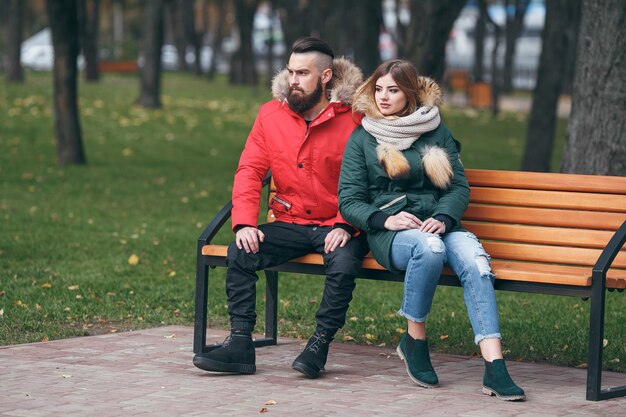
435,244
482,263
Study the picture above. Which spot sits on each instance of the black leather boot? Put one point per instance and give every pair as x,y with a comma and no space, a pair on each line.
313,358
236,355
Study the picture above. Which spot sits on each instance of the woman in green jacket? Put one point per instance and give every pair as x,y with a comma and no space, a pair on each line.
402,182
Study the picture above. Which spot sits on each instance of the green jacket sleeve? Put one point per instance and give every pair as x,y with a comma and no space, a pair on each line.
453,201
354,203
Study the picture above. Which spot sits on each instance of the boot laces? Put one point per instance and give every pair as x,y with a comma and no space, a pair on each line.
227,341
317,344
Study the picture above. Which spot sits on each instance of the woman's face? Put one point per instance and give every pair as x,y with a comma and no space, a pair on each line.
389,98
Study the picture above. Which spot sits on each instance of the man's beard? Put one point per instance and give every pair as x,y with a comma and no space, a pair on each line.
300,103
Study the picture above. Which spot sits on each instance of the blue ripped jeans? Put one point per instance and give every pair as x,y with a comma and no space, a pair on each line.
423,255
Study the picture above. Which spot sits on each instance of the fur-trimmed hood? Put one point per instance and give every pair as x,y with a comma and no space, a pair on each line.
429,94
346,79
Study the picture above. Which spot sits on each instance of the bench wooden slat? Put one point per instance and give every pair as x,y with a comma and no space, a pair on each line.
583,238
546,181
545,217
548,254
504,270
549,199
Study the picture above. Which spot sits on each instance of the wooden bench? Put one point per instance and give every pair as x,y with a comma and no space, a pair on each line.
559,234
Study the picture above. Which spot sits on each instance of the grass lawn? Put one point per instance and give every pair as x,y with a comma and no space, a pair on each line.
111,246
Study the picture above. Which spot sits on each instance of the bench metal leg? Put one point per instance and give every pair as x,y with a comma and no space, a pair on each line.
271,305
596,338
201,307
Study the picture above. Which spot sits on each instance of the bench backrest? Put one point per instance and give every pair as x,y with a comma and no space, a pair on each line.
552,218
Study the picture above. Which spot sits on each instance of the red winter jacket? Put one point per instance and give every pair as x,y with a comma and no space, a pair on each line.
305,161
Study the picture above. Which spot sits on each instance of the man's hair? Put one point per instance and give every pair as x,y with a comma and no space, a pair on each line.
312,44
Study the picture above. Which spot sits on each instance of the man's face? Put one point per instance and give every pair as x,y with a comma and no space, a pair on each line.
305,82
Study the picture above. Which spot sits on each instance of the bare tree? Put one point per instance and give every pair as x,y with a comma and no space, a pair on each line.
559,36
89,21
596,138
495,69
63,20
423,39
13,40
218,36
514,26
479,46
242,63
150,90
369,13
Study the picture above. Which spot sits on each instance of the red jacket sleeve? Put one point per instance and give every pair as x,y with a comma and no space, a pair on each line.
253,166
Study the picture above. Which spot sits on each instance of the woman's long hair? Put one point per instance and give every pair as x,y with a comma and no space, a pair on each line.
406,77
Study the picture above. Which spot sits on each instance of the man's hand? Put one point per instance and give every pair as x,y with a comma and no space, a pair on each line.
432,225
402,221
248,238
336,238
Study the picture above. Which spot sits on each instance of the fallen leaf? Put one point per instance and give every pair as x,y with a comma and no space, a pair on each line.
400,330
46,285
270,402
382,344
66,376
582,366
443,337
172,274
605,342
2,293
19,303
67,309
171,336
354,318
133,260
369,336
44,339
1,312
263,410
73,287
348,339
312,301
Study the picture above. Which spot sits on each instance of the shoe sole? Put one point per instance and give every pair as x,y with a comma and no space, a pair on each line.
490,392
306,370
216,366
408,371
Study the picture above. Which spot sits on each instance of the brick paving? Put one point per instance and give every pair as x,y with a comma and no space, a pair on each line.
149,373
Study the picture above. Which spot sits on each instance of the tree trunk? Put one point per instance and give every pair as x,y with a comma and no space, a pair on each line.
514,26
495,71
63,19
366,53
13,40
150,91
291,11
242,63
217,38
479,47
596,142
117,26
425,41
88,13
562,17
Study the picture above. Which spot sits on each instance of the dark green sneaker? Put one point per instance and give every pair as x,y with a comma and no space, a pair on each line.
414,353
498,382
313,358
235,356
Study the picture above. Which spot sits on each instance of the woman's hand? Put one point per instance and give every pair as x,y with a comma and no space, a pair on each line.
432,225
402,221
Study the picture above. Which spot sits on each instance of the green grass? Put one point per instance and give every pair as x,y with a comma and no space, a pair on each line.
154,179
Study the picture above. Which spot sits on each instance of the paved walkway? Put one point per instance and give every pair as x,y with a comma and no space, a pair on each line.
149,373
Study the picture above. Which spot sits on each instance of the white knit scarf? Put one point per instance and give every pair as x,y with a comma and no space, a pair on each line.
401,132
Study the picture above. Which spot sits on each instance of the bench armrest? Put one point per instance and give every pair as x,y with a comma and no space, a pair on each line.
610,251
222,217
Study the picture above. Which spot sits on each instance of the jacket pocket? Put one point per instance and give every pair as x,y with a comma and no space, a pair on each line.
280,205
395,205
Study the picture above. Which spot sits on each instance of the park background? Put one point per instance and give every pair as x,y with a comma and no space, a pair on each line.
104,241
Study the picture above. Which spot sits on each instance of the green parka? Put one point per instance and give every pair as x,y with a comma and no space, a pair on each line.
365,188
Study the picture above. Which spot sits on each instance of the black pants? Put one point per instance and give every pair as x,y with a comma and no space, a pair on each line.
283,242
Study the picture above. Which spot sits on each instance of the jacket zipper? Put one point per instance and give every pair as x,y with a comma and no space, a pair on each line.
392,202
283,202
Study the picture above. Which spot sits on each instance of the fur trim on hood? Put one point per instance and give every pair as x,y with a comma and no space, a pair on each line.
429,95
346,79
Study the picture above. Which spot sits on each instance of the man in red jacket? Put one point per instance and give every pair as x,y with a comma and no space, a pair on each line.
300,136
